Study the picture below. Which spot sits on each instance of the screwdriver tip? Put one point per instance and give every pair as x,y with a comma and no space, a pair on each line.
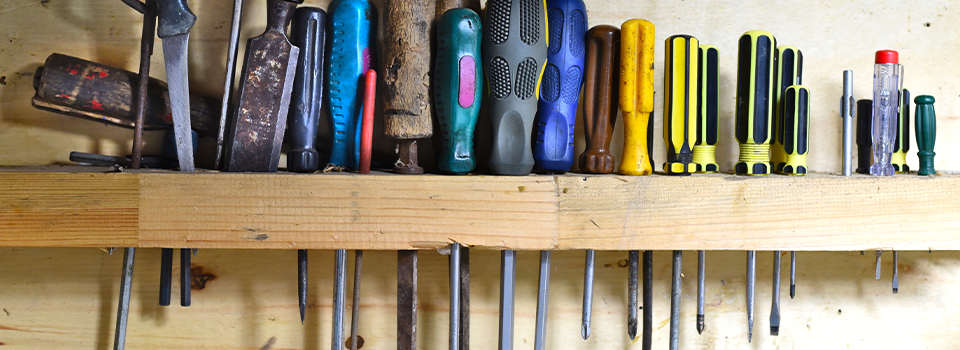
585,331
632,328
895,290
793,290
700,324
774,330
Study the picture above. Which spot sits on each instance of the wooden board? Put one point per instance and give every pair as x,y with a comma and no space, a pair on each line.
394,212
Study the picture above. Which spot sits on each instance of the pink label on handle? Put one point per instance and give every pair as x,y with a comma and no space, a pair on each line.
366,60
468,81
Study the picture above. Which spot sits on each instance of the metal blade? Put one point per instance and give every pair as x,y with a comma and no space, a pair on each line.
175,60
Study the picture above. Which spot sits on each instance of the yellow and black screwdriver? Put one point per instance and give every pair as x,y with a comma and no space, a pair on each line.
680,81
754,113
705,148
788,61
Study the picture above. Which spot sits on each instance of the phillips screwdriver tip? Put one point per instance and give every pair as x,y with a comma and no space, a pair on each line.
632,329
700,324
585,331
793,290
895,290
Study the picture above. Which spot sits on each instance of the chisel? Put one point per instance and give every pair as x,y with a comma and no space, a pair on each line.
263,97
755,86
636,102
705,147
681,91
126,280
514,50
351,28
457,84
560,87
599,115
308,33
599,106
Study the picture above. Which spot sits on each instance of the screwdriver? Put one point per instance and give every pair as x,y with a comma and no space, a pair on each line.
514,40
705,148
457,82
366,148
788,61
680,81
350,26
847,105
308,32
926,134
755,87
887,82
636,102
599,116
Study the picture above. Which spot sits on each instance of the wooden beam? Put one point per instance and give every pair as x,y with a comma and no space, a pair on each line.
391,212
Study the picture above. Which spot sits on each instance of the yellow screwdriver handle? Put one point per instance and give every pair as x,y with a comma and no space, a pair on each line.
754,101
705,148
788,62
680,83
636,96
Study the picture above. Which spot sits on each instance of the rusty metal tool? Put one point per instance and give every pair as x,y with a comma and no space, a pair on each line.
308,32
229,77
514,50
79,88
263,97
406,95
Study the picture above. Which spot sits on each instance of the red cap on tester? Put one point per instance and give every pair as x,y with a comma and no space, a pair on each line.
887,56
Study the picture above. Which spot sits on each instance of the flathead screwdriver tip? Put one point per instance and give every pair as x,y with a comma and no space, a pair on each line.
700,324
774,330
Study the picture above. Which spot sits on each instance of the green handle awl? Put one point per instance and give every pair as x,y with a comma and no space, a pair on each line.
926,133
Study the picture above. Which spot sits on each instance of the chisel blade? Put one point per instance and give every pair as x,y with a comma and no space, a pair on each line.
175,61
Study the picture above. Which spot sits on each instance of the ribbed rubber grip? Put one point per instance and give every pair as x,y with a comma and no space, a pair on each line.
755,85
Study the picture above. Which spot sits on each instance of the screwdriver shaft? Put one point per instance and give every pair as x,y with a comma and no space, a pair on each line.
355,316
675,301
540,338
454,296
186,281
302,282
123,309
464,298
793,274
751,285
775,308
508,279
588,296
701,267
633,289
896,278
878,265
166,275
339,282
647,299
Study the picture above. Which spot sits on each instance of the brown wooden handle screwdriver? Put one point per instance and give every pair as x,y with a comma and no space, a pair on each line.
601,87
406,64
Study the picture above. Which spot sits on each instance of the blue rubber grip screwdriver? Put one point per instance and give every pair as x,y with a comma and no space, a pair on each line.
351,26
560,87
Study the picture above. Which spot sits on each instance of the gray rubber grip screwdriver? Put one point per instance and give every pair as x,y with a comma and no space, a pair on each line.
514,49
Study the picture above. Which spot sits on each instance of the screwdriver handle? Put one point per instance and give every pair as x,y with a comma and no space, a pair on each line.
901,145
796,129
174,18
755,87
926,133
308,32
406,72
514,50
705,148
366,128
636,96
864,139
560,89
457,78
599,107
788,65
680,82
351,25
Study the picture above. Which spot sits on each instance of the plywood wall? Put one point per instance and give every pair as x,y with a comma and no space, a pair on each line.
65,298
